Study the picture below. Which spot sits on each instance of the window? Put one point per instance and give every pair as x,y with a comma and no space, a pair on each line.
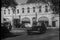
28,9
13,9
33,9
4,19
9,11
4,11
46,8
39,8
17,10
53,24
22,10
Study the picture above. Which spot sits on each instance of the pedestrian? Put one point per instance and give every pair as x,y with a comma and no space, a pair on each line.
10,26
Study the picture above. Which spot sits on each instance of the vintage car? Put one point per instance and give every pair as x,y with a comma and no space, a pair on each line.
39,28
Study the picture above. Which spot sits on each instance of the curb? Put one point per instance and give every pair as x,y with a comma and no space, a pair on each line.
18,30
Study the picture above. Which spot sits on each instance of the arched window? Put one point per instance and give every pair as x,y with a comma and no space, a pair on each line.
4,11
28,10
17,10
39,8
33,9
22,10
8,11
4,19
46,8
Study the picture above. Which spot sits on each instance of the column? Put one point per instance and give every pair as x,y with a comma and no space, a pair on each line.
57,23
12,22
31,20
50,22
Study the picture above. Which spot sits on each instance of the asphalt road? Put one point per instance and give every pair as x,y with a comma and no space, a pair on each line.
49,35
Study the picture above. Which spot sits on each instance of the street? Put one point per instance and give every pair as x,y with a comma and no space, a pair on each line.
51,34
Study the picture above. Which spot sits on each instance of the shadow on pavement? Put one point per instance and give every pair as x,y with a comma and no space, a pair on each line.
37,33
8,35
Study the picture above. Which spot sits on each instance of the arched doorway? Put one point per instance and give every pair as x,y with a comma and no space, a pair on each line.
25,20
44,20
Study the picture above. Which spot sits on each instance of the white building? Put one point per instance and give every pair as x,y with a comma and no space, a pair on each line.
41,12
6,14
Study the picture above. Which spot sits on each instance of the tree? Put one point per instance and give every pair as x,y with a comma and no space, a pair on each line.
55,6
7,3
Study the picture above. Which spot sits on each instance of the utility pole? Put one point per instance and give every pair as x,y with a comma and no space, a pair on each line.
20,18
37,6
14,12
36,16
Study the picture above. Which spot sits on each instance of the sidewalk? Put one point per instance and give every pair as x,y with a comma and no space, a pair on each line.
18,30
52,28
24,29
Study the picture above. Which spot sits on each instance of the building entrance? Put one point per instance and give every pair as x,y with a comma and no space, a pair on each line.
44,20
53,23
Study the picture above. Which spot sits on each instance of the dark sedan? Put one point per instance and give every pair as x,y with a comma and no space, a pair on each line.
37,29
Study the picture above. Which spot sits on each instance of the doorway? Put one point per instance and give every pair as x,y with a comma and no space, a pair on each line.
44,20
53,24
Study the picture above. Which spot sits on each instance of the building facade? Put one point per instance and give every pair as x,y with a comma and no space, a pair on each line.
6,15
30,13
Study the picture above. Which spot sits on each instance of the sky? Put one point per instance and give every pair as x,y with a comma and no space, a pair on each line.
21,1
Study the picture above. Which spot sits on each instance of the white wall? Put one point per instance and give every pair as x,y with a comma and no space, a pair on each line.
25,6
7,16
57,21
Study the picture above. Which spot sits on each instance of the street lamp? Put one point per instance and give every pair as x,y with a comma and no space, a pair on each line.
37,6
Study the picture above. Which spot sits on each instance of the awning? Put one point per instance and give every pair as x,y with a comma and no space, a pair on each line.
43,19
25,19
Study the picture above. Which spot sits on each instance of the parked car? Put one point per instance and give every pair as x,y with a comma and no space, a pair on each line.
39,28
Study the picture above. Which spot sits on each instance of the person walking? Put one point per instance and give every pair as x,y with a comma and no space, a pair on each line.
10,27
